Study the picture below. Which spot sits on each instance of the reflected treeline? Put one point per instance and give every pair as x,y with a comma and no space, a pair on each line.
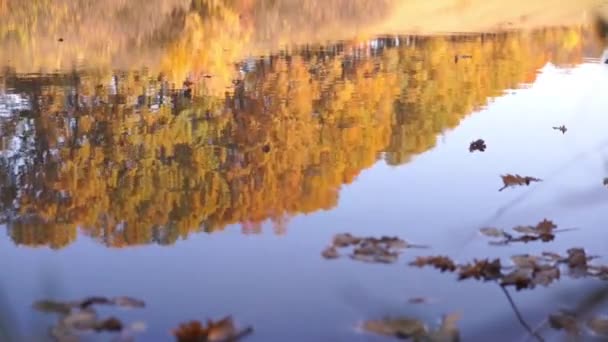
131,159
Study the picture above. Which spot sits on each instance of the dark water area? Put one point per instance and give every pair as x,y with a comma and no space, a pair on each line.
208,185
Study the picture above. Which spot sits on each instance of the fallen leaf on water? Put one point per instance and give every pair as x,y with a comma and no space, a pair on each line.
345,240
561,128
510,180
564,320
598,325
520,278
396,327
577,261
525,261
545,227
128,302
190,332
374,253
492,232
543,231
477,145
51,306
442,263
481,269
545,275
221,330
110,324
330,253
368,249
393,242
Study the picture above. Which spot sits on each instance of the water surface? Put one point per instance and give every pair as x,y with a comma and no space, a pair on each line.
209,184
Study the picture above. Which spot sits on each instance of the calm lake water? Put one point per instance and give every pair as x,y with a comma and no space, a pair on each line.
205,177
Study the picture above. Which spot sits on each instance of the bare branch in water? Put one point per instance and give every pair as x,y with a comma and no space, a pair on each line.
520,317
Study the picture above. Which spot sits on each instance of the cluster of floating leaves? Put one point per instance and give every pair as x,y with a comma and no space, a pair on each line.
223,330
81,316
510,180
367,249
411,328
477,145
543,231
528,271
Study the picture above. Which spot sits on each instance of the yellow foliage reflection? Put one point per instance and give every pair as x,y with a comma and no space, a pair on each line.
131,160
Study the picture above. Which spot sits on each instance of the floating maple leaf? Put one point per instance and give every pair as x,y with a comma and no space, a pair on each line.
510,180
477,145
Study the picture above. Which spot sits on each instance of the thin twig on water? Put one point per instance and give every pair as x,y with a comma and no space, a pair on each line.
520,317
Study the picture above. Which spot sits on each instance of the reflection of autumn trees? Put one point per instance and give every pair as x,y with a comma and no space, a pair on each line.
130,161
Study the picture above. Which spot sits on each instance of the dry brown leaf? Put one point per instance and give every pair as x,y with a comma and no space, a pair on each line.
566,321
330,253
545,227
520,278
345,240
577,258
481,269
510,180
221,330
442,263
396,327
545,275
525,261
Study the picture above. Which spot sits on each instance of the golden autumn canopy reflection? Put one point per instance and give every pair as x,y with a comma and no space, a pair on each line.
131,160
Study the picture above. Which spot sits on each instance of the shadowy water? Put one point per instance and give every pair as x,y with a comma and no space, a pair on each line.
207,180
